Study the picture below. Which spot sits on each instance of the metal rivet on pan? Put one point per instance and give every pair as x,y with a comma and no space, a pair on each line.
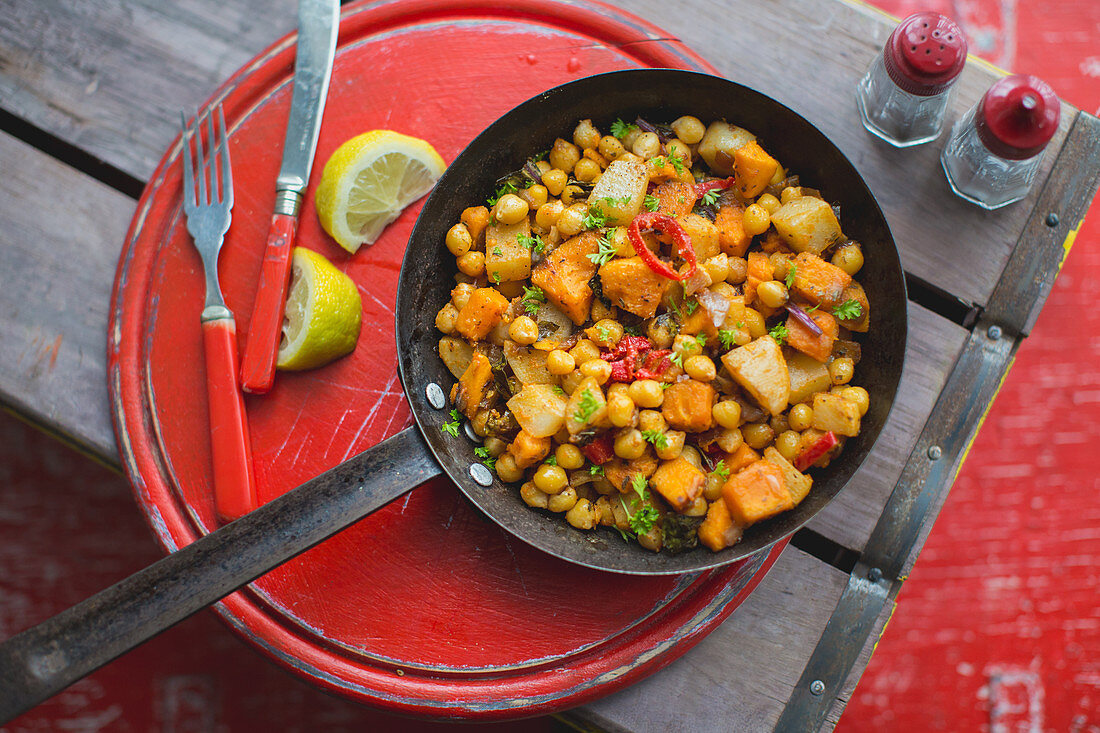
994,332
817,687
469,430
435,395
935,452
481,474
874,575
1052,219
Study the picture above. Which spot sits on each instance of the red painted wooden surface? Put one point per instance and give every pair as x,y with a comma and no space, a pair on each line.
424,607
999,626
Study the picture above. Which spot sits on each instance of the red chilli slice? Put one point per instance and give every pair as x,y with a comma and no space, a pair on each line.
666,224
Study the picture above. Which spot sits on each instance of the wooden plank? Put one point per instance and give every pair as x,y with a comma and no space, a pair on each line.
65,231
740,676
934,345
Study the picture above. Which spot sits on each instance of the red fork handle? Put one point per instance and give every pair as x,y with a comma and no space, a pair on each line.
234,484
265,326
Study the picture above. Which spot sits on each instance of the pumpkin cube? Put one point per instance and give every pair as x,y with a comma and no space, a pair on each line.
565,273
481,313
632,286
679,482
688,405
753,169
756,493
718,530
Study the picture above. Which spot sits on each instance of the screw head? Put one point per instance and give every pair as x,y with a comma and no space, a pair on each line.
874,575
481,474
935,453
994,332
817,687
1052,219
434,393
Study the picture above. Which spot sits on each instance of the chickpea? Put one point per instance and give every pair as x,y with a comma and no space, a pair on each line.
571,221
652,420
560,362
630,444
523,330
800,417
768,203
646,393
620,410
757,435
646,146
779,423
840,370
789,444
679,149
672,446
859,396
594,155
574,194
563,501
564,155
808,438
652,539
583,515
700,367
727,413
772,293
446,318
602,312
610,147
627,155
718,267
659,331
547,214
698,508
781,263
849,258
790,193
458,240
550,479
506,467
778,177
495,446
617,388
584,351
756,220
569,383
569,457
689,129
586,170
730,440
535,196
510,209
605,332
739,270
686,345
632,134
532,497
754,322
472,264
586,135
598,369
555,180
460,296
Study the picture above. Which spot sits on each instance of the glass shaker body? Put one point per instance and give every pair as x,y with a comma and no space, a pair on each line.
898,117
978,175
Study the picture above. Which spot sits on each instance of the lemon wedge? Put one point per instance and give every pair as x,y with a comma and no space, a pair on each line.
369,180
323,313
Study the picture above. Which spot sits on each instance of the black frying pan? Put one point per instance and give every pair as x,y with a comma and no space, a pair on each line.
43,660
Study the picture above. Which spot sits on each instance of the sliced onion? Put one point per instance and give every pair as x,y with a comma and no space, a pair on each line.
805,319
717,305
699,280
549,314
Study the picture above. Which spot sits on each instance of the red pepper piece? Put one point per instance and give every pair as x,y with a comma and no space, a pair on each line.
813,453
654,365
716,185
621,371
669,226
599,451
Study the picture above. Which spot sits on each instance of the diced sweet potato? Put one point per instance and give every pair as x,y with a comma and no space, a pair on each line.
538,409
863,321
704,236
760,269
759,367
807,376
470,390
753,168
476,218
632,286
565,273
700,322
718,530
679,482
587,407
620,191
687,406
505,258
802,338
743,456
797,483
529,450
834,413
818,281
620,473
732,237
755,493
720,142
675,198
481,313
807,224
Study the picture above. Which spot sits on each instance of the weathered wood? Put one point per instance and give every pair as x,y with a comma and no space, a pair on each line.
739,677
59,244
836,708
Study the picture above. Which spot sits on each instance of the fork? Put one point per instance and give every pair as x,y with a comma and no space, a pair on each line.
208,219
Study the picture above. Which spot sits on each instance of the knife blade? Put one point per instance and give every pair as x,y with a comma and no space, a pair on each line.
318,23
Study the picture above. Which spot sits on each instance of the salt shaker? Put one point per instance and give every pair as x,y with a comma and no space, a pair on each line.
995,149
906,92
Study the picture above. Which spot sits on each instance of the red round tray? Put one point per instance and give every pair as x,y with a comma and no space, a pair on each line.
425,607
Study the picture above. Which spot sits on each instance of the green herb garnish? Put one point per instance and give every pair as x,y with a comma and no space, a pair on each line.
451,428
728,338
789,279
779,332
690,306
606,251
720,469
595,218
587,407
621,129
710,198
656,437
651,202
642,520
677,359
595,470
533,298
701,339
497,251
506,187
552,460
533,243
848,310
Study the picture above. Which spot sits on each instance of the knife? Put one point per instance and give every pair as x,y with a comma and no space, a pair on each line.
318,22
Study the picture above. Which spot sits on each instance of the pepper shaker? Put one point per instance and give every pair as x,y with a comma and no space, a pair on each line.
995,149
906,92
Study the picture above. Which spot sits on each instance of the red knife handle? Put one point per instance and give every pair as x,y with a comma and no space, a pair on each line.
266,325
234,484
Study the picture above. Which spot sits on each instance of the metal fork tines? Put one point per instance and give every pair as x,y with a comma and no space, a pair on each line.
208,208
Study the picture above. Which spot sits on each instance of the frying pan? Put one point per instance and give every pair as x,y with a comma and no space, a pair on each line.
41,661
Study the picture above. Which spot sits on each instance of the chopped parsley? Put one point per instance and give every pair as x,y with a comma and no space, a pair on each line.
533,243
690,306
621,129
595,218
587,406
720,469
701,339
558,390
604,333
779,332
451,428
678,359
533,298
641,521
656,437
675,161
595,470
498,252
710,198
506,187
791,271
848,310
651,202
604,254
680,199
496,277
728,338
481,452
552,460
611,200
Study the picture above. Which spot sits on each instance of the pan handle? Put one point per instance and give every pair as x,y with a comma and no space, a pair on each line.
43,660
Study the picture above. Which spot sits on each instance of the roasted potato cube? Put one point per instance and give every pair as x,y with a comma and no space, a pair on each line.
718,530
862,322
679,482
704,236
587,407
755,493
834,413
807,376
538,409
754,169
802,338
505,258
470,390
529,365
528,450
687,406
759,367
481,313
620,191
732,237
720,142
797,483
819,281
807,224
456,354
565,273
632,286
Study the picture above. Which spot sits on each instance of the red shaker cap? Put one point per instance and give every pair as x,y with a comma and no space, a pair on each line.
925,53
1017,117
